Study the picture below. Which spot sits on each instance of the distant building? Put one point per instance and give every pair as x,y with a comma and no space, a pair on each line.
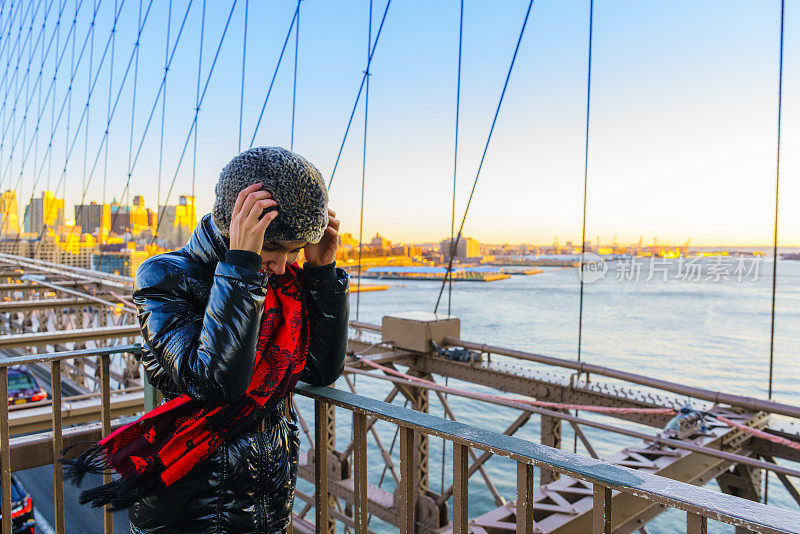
176,223
120,218
124,261
93,218
380,242
467,248
9,214
44,212
346,239
141,218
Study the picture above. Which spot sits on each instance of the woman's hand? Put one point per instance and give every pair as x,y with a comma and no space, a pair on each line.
247,230
324,252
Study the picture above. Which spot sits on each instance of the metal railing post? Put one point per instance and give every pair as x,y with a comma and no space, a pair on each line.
524,498
601,510
408,489
460,494
696,524
5,453
360,471
321,465
105,421
58,438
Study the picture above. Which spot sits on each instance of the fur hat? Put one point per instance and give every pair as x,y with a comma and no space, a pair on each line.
295,184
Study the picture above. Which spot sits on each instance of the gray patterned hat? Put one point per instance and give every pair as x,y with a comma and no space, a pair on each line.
295,184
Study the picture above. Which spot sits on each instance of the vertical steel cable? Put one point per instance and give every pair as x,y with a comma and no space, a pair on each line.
453,210
244,57
88,99
364,164
108,107
483,155
133,97
455,147
585,176
358,95
775,223
294,79
197,95
163,114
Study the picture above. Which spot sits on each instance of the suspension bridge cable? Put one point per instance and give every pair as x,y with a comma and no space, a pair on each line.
155,101
455,144
196,112
358,95
294,77
5,79
88,100
15,78
275,74
26,80
163,115
108,107
26,77
49,153
51,90
454,244
775,222
84,114
585,177
364,164
197,93
110,117
134,58
244,57
134,55
453,210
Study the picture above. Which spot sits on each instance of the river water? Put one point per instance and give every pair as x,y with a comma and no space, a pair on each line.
704,323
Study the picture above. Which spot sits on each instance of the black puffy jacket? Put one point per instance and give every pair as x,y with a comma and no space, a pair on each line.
200,312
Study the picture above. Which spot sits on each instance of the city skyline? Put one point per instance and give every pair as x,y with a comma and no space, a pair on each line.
146,218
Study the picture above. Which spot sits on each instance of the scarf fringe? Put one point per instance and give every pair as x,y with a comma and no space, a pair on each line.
94,460
121,493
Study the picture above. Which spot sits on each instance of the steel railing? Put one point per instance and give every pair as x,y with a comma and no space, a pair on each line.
607,479
55,360
699,503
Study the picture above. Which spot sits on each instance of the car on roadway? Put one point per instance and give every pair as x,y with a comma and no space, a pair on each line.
22,521
23,387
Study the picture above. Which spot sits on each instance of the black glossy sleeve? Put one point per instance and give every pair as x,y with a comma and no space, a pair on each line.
328,301
209,354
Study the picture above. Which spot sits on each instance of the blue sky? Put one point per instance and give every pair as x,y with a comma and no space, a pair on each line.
683,119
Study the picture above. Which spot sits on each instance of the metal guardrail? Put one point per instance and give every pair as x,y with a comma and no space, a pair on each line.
699,503
55,359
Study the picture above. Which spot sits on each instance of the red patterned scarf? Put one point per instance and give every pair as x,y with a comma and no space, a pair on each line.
167,442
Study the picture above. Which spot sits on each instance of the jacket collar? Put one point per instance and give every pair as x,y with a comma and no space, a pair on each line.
206,244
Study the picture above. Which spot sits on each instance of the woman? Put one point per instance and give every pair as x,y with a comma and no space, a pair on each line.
230,324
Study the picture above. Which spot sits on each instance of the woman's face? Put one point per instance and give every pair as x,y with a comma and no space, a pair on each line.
275,255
